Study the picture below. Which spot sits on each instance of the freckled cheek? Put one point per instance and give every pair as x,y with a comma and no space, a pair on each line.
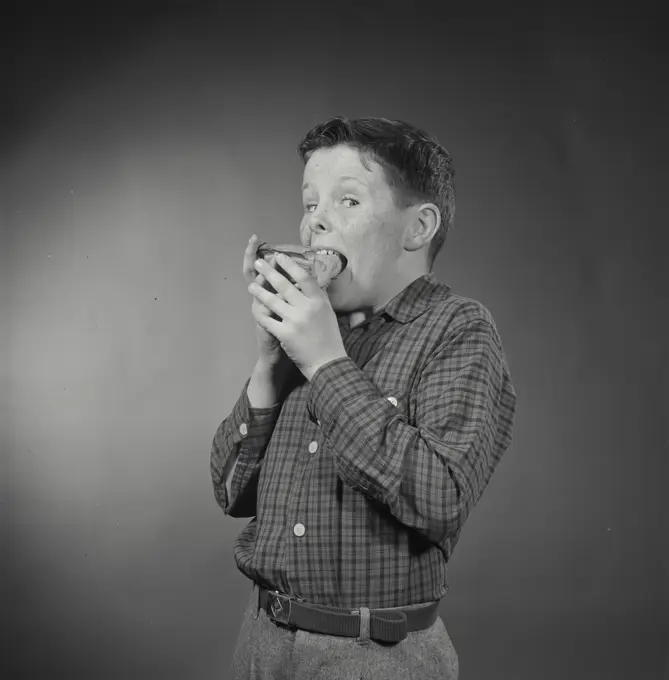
304,231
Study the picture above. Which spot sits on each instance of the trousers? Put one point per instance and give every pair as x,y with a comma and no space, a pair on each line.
267,651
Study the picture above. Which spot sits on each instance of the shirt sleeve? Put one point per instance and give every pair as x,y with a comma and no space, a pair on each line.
244,434
429,476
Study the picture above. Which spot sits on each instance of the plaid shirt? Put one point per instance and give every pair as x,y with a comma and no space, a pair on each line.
359,482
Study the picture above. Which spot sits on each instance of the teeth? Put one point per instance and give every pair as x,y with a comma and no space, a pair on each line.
324,251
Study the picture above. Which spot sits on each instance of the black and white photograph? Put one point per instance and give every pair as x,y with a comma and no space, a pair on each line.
334,340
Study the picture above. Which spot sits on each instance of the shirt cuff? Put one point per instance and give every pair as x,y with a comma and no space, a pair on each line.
333,385
247,431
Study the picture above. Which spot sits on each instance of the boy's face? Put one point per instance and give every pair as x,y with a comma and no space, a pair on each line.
351,208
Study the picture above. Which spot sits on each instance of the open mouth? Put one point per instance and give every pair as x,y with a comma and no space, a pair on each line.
324,264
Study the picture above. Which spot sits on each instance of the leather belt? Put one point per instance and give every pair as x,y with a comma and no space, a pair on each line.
385,625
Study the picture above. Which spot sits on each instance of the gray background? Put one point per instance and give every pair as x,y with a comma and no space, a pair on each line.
141,149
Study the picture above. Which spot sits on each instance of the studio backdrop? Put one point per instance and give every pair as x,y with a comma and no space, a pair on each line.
148,145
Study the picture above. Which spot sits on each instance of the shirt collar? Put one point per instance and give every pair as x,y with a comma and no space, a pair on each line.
420,295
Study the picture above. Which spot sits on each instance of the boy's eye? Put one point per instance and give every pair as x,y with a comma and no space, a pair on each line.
348,202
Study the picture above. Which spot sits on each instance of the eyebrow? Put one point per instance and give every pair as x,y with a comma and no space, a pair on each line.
344,178
354,179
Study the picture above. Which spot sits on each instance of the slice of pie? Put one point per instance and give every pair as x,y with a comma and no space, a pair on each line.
323,264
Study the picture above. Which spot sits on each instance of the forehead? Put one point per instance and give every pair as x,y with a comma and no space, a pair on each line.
342,162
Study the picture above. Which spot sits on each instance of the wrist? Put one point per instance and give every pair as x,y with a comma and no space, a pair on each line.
273,370
267,384
310,372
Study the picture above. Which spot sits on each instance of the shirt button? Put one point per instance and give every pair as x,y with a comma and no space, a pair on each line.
392,400
243,429
313,447
299,529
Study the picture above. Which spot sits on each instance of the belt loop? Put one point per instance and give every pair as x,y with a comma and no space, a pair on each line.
364,626
256,600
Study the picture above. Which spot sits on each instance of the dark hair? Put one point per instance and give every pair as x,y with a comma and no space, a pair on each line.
416,166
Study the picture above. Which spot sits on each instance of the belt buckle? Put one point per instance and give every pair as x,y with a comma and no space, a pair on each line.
279,607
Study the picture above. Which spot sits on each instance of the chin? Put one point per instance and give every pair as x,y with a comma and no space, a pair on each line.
343,304
343,294
337,300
